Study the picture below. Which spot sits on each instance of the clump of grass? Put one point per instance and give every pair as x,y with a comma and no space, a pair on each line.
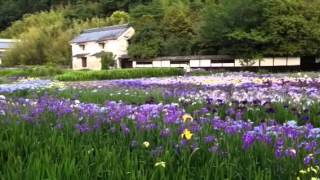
119,74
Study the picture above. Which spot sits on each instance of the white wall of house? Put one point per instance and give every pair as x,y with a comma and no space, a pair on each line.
118,48
1,51
93,63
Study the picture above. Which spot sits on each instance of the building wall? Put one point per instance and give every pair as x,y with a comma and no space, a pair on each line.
1,51
207,63
93,63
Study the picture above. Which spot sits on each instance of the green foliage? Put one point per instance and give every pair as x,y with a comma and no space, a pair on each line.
44,39
12,10
248,28
124,5
32,72
147,41
83,10
293,27
230,28
107,60
165,27
119,74
130,96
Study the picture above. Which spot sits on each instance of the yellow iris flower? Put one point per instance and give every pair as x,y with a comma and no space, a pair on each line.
186,118
146,144
186,134
161,163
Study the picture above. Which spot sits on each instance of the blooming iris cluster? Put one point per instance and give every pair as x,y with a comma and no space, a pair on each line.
226,87
25,85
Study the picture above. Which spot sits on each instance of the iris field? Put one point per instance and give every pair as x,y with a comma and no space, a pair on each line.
222,126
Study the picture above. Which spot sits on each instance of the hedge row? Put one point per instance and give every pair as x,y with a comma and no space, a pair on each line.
31,72
119,74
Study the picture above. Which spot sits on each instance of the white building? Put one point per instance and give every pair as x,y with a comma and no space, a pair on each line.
90,44
215,61
5,45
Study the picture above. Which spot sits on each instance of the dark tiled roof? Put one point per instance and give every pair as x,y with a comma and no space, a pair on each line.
125,56
99,54
186,58
100,34
81,55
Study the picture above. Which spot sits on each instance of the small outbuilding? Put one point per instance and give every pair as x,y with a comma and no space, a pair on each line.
5,45
215,61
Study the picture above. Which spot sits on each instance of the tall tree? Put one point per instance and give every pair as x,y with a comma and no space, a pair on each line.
165,27
252,28
294,27
233,27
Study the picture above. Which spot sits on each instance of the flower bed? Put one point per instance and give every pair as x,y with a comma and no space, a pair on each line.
240,126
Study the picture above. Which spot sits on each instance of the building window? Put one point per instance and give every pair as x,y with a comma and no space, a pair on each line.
179,62
82,46
222,61
102,45
84,62
144,63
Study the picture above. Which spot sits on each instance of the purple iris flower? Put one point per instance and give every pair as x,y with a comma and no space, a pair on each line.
209,139
165,132
305,118
292,153
83,128
278,152
248,139
308,159
213,149
310,146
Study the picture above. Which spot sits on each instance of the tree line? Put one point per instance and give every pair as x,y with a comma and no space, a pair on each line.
243,28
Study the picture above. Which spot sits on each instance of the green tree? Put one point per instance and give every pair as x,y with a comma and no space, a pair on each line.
166,27
44,38
107,60
177,31
252,28
146,43
293,27
234,27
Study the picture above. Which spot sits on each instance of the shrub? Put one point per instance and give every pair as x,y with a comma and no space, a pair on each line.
107,60
119,74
